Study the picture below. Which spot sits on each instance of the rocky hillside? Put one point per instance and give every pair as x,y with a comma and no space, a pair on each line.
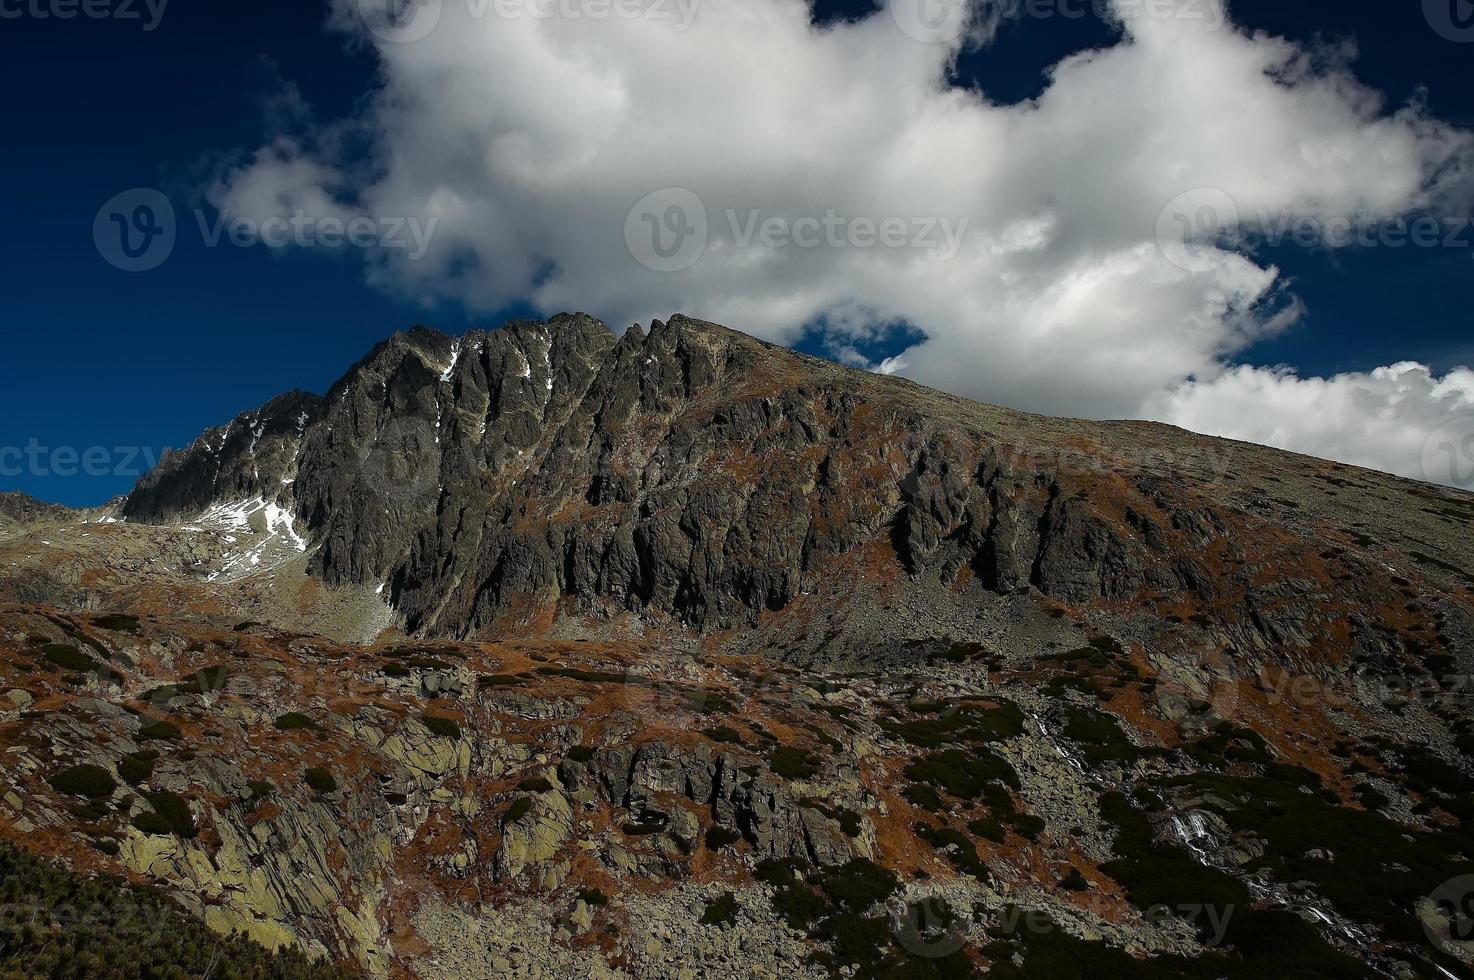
547,653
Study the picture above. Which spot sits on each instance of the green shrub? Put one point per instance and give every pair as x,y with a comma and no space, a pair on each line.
925,797
153,824
117,623
988,828
442,727
92,782
175,812
720,837
721,910
295,721
206,679
967,724
964,774
320,780
1074,881
792,763
859,884
395,670
535,784
593,897
958,848
68,657
520,808
259,788
137,767
1028,826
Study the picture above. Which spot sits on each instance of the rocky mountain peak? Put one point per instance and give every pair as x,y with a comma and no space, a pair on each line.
695,475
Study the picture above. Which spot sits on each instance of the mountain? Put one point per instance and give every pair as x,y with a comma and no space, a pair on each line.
680,654
697,476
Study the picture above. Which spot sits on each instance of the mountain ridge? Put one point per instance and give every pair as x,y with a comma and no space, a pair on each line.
698,475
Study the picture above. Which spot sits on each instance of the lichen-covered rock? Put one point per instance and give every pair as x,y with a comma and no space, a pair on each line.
536,836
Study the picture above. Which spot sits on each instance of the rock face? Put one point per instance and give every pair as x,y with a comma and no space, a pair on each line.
18,508
735,792
696,475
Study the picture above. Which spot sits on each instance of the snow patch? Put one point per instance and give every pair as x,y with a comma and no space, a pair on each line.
262,535
455,356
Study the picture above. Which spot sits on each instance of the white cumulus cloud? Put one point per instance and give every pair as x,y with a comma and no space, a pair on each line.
1089,252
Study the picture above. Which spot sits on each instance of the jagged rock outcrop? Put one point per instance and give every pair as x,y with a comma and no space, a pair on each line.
254,457
19,508
738,791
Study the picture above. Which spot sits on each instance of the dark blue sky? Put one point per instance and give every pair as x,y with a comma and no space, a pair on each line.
96,357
